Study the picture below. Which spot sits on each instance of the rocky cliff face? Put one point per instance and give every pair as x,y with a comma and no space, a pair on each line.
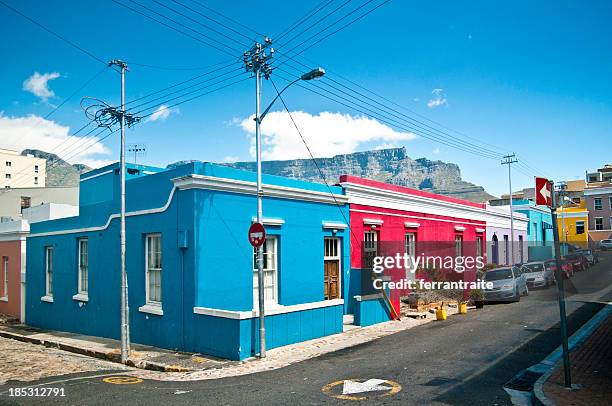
59,172
386,165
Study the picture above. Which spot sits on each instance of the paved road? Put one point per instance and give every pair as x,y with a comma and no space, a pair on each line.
464,360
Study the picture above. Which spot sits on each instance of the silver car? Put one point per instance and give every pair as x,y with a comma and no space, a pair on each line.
508,283
537,274
605,244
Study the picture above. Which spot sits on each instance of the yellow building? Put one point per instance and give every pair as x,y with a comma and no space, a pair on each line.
572,223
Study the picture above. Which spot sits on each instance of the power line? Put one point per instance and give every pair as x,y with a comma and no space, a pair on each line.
66,40
320,6
178,68
199,23
215,21
83,86
227,18
174,28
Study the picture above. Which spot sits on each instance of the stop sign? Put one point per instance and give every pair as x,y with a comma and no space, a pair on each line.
257,234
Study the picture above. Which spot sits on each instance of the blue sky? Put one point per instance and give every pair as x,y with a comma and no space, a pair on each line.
529,77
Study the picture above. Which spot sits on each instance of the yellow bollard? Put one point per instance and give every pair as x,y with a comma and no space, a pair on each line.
462,308
440,314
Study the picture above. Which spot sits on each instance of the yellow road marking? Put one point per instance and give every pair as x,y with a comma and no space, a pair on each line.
327,389
122,380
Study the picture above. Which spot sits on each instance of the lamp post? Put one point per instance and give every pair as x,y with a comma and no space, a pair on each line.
256,61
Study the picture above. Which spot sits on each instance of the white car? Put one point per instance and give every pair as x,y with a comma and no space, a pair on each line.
605,244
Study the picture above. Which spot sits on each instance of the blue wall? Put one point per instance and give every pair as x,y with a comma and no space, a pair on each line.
214,271
537,215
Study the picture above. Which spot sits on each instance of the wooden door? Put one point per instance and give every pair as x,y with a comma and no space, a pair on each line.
331,280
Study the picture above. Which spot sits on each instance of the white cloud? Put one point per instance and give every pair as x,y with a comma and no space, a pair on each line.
38,85
230,159
439,99
162,113
327,134
34,132
436,151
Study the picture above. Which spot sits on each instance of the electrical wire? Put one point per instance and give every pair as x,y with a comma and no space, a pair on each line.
179,68
174,28
50,31
320,6
227,18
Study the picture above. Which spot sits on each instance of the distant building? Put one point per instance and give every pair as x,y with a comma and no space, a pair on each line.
501,249
598,200
572,223
19,171
14,201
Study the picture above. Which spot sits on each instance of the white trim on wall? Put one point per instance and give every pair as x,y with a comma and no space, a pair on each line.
96,175
250,314
269,221
373,222
245,187
410,224
331,224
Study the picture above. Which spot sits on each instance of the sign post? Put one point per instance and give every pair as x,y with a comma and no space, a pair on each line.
257,235
545,196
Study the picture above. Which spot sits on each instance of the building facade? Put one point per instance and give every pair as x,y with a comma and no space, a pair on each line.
14,201
572,224
387,219
12,267
21,171
191,273
598,200
502,249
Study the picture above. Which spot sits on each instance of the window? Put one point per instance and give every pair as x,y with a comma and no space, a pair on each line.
458,246
580,227
153,268
83,270
35,168
478,246
597,203
49,271
26,202
370,248
270,264
7,176
8,163
36,180
599,223
5,270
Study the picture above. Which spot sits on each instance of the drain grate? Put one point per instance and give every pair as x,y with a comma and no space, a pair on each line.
523,381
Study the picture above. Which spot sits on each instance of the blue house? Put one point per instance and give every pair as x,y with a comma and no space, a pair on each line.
192,285
539,230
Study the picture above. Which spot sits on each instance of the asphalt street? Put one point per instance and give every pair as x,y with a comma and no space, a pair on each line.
463,360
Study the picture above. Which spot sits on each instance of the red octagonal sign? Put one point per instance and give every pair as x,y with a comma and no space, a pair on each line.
257,234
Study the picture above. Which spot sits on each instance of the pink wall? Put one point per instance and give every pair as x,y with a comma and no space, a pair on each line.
12,250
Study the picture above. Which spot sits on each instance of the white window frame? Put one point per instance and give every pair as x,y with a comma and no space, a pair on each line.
49,254
270,267
410,239
595,200
35,168
5,264
595,224
147,270
610,201
83,290
458,247
337,257
7,176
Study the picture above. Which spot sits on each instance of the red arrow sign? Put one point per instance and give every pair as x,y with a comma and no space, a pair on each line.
257,234
543,192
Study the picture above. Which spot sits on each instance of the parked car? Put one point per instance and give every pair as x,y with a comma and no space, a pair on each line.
590,255
605,244
566,268
508,284
537,274
579,262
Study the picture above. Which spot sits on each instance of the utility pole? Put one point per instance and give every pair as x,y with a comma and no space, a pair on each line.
125,310
256,61
560,290
509,160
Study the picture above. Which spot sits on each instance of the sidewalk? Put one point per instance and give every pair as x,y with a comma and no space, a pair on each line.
168,365
591,371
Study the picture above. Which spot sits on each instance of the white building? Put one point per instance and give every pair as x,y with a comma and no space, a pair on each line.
19,171
13,202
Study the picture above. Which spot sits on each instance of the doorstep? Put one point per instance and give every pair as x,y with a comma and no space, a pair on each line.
142,356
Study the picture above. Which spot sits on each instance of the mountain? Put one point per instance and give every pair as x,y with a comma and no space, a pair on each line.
386,165
59,172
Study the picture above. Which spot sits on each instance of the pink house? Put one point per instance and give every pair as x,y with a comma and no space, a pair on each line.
12,266
386,218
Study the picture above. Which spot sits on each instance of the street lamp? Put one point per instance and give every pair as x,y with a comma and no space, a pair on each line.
256,61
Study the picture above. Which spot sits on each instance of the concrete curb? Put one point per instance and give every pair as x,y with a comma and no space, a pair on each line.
549,363
107,356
